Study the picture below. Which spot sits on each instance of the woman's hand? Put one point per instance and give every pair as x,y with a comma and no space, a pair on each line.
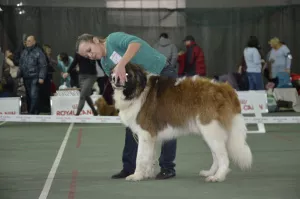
120,72
65,75
240,69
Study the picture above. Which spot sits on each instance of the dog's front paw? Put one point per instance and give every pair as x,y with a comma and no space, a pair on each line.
150,174
134,177
213,179
206,173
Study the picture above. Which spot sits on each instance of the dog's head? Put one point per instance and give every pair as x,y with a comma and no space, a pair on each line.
136,81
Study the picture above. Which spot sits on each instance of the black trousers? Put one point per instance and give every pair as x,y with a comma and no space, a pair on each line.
44,96
101,83
168,149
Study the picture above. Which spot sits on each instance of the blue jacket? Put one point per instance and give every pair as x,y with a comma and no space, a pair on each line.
33,63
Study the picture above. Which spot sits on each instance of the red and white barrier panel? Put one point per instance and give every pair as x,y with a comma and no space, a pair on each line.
64,108
67,105
60,119
253,99
10,105
116,119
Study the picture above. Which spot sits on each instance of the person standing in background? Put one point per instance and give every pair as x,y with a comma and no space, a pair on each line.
2,59
51,62
33,70
64,61
181,62
6,81
253,64
194,63
101,77
165,47
45,89
280,59
87,78
14,70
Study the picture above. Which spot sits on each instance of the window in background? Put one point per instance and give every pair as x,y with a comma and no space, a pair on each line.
146,4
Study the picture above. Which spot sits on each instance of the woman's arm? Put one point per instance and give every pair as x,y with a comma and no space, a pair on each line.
130,45
74,63
256,56
129,54
9,62
120,71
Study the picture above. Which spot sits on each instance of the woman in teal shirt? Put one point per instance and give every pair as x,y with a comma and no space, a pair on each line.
115,52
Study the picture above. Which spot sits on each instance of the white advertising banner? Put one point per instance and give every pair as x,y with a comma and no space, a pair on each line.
67,105
10,106
246,99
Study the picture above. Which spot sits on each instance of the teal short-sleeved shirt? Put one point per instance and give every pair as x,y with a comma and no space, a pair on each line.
147,57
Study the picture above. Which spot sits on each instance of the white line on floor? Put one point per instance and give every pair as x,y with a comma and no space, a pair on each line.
2,123
55,165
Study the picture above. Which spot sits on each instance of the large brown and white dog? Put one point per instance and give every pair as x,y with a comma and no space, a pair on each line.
159,108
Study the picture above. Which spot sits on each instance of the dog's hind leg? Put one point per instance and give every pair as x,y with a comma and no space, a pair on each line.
216,137
144,160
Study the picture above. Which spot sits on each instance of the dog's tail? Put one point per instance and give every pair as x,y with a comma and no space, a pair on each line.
237,146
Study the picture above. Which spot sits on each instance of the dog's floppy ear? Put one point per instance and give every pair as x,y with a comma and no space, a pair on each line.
142,78
136,81
139,73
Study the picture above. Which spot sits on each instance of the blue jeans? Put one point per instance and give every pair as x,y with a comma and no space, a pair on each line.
169,72
255,81
32,88
168,149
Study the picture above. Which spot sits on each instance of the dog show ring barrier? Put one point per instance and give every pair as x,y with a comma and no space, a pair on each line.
63,108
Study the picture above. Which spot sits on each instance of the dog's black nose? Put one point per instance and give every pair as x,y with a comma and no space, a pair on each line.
115,81
112,77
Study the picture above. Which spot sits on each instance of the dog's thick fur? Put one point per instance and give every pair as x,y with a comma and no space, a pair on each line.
104,109
161,108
